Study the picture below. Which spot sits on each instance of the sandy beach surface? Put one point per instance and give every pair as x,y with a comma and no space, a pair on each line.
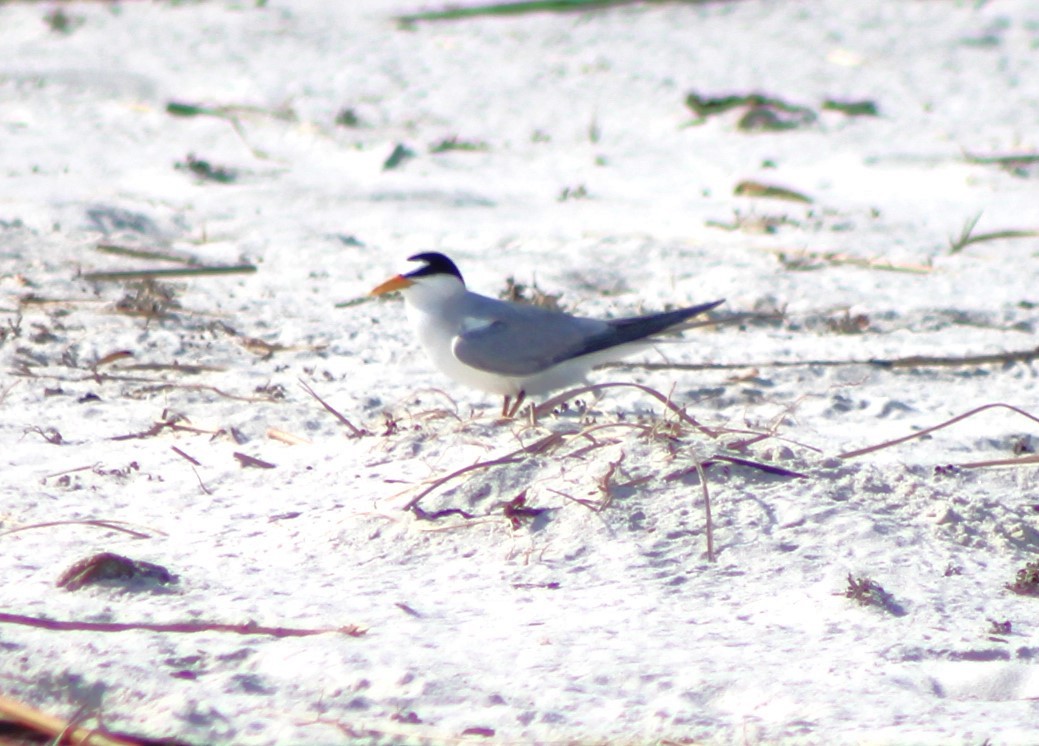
197,198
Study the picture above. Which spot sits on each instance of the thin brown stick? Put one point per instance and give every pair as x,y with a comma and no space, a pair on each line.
201,484
413,502
157,384
539,446
708,520
190,370
939,426
190,459
246,460
107,248
72,471
924,361
143,274
797,261
352,630
1021,460
112,525
912,361
63,731
158,427
288,438
7,390
1002,160
355,432
779,471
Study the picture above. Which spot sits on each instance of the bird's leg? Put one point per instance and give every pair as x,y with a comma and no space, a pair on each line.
510,412
505,406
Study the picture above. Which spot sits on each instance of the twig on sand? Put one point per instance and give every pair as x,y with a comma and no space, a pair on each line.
157,383
1001,160
172,423
708,520
515,7
137,253
250,628
809,260
538,446
412,504
7,390
67,731
912,361
143,274
251,461
939,426
778,471
110,524
923,361
1020,461
190,459
194,462
355,432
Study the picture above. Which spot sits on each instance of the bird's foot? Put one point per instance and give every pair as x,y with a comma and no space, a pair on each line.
509,412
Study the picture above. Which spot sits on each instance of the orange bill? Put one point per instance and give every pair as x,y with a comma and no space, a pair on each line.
398,282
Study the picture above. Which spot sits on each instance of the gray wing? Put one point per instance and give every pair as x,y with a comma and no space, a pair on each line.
524,341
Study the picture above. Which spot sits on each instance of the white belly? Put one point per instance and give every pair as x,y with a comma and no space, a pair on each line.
438,340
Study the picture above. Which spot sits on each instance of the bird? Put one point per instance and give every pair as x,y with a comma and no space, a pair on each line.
511,349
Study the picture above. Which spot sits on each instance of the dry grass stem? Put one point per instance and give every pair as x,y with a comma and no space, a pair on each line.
173,423
923,361
72,471
809,260
412,504
912,361
155,384
112,525
146,274
968,236
355,432
604,482
7,390
251,461
189,370
288,438
939,426
190,459
133,253
778,471
351,630
1020,461
769,191
62,731
111,358
592,505
708,519
1002,160
543,445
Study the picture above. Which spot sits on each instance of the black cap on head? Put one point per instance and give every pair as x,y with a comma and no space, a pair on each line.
435,264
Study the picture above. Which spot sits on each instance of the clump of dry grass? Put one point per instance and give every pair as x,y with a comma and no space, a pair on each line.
868,592
1027,581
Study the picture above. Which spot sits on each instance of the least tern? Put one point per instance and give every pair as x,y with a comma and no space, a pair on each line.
513,349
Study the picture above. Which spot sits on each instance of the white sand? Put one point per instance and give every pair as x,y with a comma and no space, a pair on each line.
579,626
